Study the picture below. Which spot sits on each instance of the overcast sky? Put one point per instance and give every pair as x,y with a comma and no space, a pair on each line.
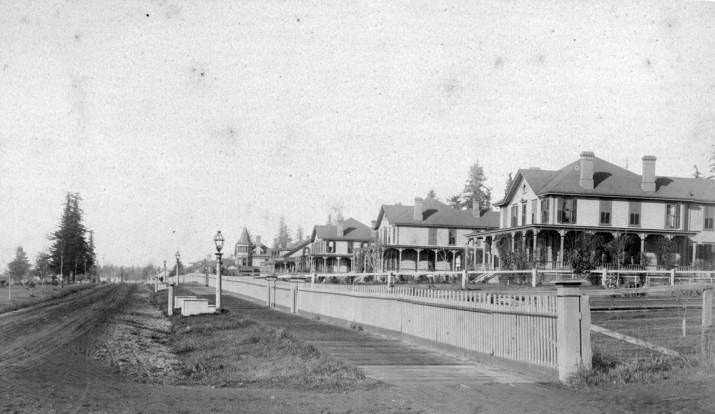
173,120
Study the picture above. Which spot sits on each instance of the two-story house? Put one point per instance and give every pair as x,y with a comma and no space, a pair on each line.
545,212
333,246
429,235
248,253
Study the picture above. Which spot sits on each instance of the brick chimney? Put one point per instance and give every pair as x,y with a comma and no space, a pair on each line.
648,180
341,229
586,170
475,208
258,240
418,211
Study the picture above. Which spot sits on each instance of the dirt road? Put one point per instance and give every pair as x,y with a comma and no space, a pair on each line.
45,367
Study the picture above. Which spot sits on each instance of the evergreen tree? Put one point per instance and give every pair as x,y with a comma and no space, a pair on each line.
509,181
475,190
299,234
69,248
432,194
20,266
455,201
42,265
284,238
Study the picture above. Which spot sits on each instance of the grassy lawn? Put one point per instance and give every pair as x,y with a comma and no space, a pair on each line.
658,320
230,350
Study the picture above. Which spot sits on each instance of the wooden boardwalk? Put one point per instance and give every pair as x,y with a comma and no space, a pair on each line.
386,359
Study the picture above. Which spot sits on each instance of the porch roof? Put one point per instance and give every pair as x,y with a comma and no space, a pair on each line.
594,229
414,247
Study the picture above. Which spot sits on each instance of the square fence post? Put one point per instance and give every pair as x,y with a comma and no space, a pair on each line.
533,277
707,312
170,305
464,279
294,298
672,277
604,275
573,340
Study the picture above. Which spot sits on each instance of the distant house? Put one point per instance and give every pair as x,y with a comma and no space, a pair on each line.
545,212
429,235
293,259
333,246
248,253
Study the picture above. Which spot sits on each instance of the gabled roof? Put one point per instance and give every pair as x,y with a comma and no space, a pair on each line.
296,247
437,214
352,230
610,180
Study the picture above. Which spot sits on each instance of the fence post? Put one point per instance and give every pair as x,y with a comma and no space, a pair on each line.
672,277
533,277
707,313
293,298
604,275
570,332
268,293
170,296
312,280
464,279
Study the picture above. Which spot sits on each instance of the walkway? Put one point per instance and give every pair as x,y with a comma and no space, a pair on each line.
386,359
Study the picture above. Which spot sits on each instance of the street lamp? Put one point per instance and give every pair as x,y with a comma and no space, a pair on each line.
178,256
218,240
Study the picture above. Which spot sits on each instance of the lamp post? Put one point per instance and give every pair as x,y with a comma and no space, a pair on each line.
218,240
178,256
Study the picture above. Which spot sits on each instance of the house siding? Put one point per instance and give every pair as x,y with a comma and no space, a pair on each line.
587,212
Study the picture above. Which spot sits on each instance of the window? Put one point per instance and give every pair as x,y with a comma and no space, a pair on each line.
523,213
672,216
514,215
544,211
533,211
708,213
605,212
452,237
566,210
634,213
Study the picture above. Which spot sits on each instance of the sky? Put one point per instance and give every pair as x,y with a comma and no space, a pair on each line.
176,119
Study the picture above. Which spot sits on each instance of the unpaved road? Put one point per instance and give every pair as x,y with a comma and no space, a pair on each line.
45,367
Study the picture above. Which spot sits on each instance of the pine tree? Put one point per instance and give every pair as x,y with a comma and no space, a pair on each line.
509,181
69,248
475,189
284,238
431,194
299,234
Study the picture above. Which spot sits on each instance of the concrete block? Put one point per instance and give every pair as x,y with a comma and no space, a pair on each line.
195,307
179,300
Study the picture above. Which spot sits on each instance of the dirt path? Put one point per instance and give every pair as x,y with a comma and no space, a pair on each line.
46,367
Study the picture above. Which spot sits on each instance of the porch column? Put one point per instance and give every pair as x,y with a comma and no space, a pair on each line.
417,259
399,261
454,261
484,253
513,242
562,233
534,247
523,241
695,251
325,264
642,236
435,259
474,257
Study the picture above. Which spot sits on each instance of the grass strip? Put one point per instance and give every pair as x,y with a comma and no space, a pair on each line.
231,350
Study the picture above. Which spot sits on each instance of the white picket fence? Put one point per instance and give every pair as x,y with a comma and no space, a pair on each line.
518,327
